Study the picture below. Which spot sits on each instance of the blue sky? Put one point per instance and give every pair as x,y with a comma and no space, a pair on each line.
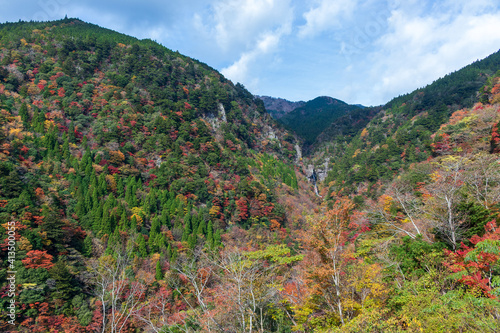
362,52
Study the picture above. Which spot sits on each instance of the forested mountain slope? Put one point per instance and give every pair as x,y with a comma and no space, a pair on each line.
113,144
400,133
311,119
141,191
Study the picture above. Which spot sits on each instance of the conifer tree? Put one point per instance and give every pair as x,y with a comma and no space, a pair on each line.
124,225
210,235
165,219
202,227
133,223
120,187
23,113
141,243
159,273
87,246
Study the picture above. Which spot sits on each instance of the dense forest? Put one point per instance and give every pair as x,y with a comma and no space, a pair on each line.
141,191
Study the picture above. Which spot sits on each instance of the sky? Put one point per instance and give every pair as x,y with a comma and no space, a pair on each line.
362,52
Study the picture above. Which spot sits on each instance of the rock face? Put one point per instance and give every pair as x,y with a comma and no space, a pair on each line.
317,173
278,107
299,153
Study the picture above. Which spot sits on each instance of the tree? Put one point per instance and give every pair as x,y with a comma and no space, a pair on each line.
443,196
482,176
478,266
38,259
327,241
159,273
160,311
118,295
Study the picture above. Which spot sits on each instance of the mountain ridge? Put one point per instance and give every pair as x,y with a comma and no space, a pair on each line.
140,190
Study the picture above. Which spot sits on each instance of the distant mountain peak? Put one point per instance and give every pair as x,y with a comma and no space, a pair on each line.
278,107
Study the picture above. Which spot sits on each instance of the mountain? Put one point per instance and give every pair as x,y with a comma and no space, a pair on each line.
113,145
400,133
278,107
141,191
315,116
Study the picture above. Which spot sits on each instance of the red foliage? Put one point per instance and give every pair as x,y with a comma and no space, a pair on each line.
112,170
38,259
495,139
475,263
61,92
242,204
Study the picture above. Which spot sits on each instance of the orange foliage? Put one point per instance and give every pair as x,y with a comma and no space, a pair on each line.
38,259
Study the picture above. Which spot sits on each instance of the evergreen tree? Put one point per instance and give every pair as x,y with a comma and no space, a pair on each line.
23,113
159,273
202,229
87,246
64,281
141,243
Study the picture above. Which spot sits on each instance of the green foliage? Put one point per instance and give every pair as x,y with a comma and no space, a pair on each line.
315,116
416,256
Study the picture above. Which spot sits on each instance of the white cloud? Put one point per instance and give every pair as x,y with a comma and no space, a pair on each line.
420,49
249,31
239,71
327,14
238,25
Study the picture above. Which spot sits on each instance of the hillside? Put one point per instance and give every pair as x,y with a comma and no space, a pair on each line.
400,133
141,191
315,116
110,143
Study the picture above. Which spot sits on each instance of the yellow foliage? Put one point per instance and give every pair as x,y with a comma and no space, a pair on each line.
33,90
182,198
24,244
214,211
435,176
386,202
155,257
111,182
48,124
116,157
137,210
29,285
138,219
15,132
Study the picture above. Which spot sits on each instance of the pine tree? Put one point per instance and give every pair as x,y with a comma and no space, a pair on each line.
143,251
217,239
202,229
71,133
87,246
124,225
25,117
193,241
133,224
120,188
187,228
97,218
103,186
155,226
165,219
159,273
64,281
210,235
